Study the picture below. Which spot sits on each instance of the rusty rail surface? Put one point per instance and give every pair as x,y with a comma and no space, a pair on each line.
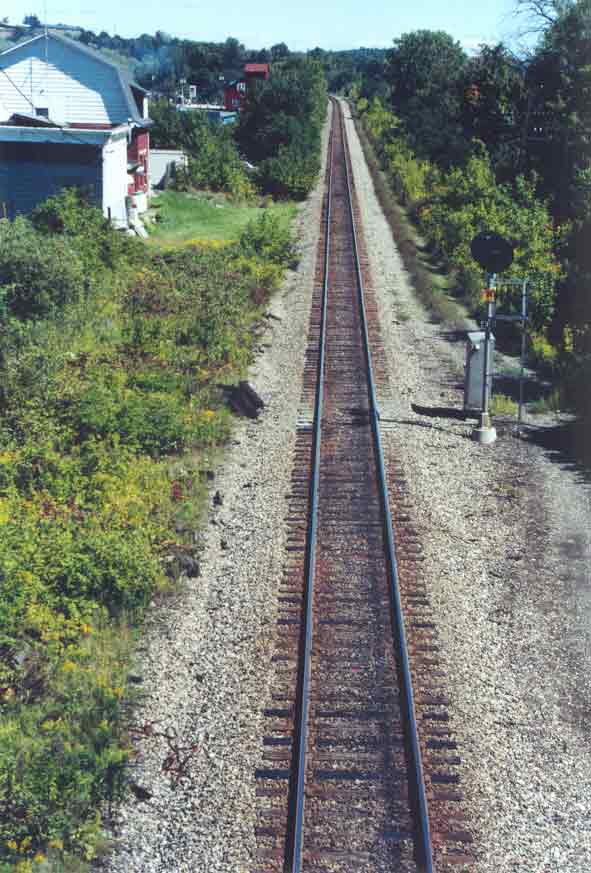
341,787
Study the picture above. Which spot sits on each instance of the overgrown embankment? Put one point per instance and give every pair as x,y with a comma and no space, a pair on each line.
112,360
450,206
494,141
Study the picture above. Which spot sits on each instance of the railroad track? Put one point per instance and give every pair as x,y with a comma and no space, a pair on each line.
342,786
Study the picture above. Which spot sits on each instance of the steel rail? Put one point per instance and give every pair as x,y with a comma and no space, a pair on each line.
294,843
426,850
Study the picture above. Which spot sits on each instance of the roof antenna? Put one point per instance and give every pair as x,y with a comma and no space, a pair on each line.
46,31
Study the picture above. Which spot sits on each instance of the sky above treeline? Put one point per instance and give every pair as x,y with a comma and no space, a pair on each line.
302,25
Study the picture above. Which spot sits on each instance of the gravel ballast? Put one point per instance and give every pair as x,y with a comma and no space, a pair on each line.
507,544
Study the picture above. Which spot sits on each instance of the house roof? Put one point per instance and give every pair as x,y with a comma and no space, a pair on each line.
125,79
256,68
27,119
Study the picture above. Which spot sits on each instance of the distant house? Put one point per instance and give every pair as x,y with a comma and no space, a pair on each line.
256,73
71,117
235,93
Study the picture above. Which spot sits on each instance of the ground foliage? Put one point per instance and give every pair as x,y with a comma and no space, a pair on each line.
110,407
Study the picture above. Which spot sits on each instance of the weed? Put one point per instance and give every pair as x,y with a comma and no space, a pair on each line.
501,405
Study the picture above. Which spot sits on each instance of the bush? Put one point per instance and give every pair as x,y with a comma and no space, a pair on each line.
292,173
56,765
452,207
280,128
268,238
468,200
37,274
96,242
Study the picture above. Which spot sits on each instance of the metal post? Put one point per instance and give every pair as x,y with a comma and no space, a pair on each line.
485,433
522,370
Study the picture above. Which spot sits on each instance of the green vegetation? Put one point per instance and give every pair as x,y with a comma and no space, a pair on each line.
199,217
494,141
501,405
428,281
213,160
111,406
280,128
452,206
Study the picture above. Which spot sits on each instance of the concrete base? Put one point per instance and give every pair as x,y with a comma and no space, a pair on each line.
484,435
485,432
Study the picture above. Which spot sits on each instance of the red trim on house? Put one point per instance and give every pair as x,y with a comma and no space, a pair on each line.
82,125
138,152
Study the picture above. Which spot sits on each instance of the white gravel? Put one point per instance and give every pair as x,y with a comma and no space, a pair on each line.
205,655
507,537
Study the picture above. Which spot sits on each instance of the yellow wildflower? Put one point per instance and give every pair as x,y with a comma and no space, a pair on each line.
67,666
39,858
12,844
56,844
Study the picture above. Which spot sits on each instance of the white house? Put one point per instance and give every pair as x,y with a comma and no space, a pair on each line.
71,117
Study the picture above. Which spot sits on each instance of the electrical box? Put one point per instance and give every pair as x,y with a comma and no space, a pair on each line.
474,370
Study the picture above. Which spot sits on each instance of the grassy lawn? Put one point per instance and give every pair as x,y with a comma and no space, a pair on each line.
184,217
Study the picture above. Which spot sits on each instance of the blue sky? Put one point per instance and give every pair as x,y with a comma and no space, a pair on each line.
304,24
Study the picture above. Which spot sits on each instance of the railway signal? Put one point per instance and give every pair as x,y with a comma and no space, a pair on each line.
494,254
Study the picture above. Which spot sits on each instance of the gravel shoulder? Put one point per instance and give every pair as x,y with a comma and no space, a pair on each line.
507,539
204,659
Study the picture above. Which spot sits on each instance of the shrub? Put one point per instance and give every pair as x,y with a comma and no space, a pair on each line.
468,200
96,242
412,178
292,173
280,128
452,207
56,765
264,277
269,238
37,274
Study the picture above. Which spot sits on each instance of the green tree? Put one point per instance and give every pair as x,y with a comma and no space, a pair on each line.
279,52
494,106
424,70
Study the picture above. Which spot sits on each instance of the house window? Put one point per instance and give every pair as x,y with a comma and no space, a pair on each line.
43,111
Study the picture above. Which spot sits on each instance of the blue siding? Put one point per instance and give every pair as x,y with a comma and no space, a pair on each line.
41,171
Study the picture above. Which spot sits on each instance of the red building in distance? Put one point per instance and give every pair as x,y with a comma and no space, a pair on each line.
235,93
